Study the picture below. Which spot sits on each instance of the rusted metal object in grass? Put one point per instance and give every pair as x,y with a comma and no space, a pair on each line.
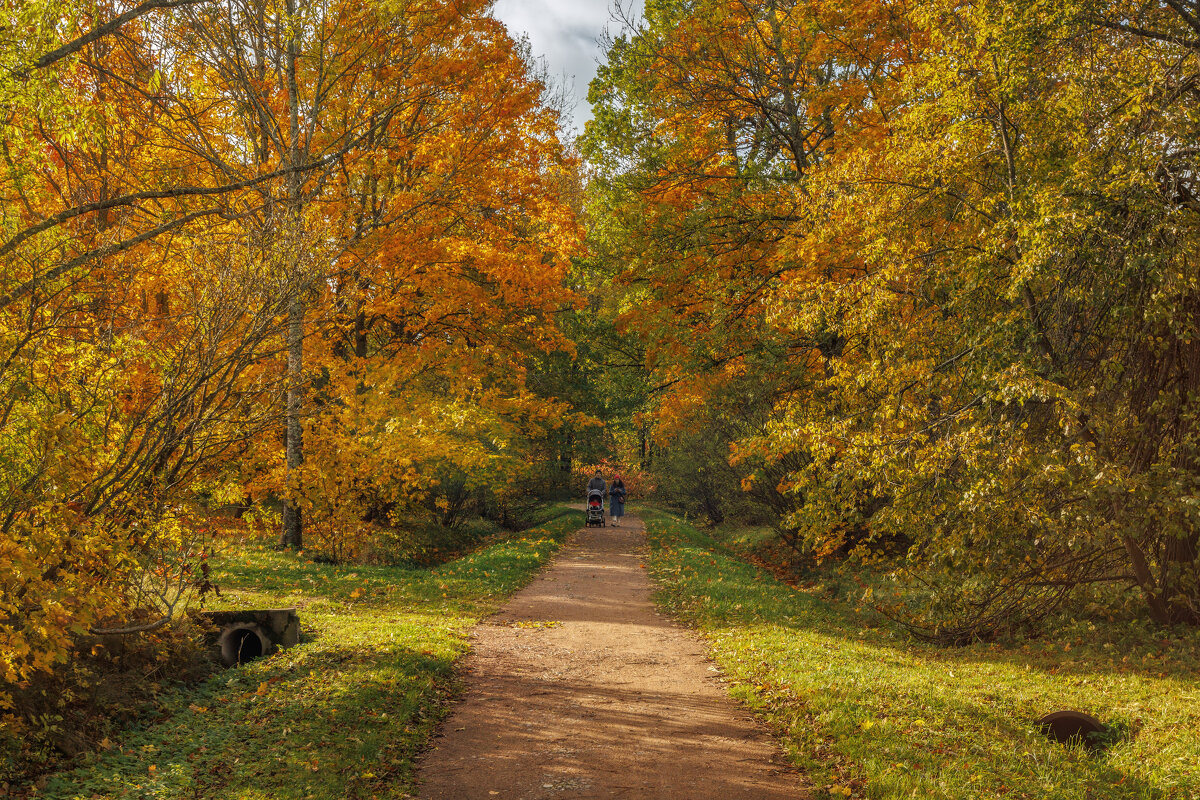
1067,727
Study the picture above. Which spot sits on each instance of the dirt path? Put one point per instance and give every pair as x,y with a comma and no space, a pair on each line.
579,689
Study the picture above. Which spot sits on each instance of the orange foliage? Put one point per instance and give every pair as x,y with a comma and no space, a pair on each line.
639,484
171,192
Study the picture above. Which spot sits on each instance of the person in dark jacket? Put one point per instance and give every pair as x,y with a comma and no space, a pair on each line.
616,500
597,482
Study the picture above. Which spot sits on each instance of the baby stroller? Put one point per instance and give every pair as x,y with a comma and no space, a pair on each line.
595,508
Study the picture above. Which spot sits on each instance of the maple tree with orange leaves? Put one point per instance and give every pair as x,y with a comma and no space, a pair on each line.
301,250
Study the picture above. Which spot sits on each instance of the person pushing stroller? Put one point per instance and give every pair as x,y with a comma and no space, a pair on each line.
596,489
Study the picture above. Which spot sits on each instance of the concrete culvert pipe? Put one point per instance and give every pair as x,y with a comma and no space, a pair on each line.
244,642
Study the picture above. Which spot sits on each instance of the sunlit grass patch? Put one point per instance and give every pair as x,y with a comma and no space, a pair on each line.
867,711
343,714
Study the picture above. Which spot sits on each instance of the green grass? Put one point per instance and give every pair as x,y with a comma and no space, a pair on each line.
867,712
342,714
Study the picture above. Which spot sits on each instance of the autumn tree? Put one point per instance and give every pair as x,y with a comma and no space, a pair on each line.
131,336
965,254
1047,418
710,123
221,217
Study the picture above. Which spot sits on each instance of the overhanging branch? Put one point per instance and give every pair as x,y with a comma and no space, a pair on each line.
108,27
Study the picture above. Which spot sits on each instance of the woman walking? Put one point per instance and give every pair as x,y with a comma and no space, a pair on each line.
616,500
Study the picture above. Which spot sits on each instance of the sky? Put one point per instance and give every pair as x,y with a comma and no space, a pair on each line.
566,33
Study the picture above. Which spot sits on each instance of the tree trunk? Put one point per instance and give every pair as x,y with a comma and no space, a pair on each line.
1150,589
293,530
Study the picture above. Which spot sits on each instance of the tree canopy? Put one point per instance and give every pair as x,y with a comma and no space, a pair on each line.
914,282
219,217
945,257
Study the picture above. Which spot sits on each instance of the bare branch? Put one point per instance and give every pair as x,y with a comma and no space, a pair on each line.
1159,36
108,27
101,252
143,628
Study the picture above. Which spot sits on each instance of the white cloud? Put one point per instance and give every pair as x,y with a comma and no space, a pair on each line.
566,33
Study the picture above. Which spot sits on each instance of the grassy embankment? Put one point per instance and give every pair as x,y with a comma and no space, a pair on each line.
869,713
342,714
